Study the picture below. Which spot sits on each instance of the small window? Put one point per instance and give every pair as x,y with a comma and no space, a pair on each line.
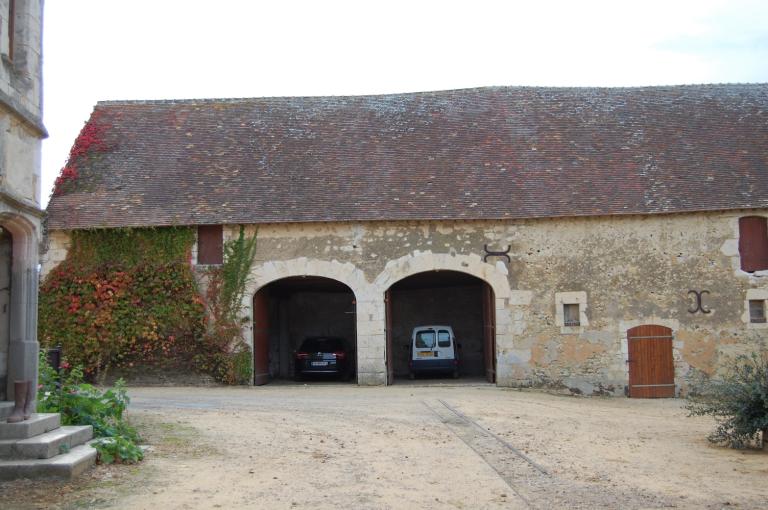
425,339
757,310
443,338
753,243
210,244
571,314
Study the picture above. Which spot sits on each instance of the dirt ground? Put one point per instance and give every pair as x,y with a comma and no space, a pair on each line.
410,446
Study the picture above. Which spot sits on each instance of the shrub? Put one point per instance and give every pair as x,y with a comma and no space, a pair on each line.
82,404
738,401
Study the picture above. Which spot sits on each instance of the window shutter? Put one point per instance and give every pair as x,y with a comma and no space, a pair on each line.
753,243
210,244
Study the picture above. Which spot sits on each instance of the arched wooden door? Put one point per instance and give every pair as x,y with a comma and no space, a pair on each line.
651,366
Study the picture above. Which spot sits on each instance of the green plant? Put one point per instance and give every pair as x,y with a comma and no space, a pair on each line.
127,297
738,401
80,403
123,297
118,449
224,353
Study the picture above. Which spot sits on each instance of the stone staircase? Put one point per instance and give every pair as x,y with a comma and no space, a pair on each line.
41,448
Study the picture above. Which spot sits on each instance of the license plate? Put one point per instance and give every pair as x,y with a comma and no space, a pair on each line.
319,363
425,354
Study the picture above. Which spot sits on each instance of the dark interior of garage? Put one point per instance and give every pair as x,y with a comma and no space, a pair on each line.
301,307
439,298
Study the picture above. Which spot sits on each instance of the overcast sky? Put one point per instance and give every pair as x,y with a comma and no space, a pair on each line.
161,49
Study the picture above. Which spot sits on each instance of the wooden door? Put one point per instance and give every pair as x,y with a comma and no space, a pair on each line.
260,339
651,367
388,317
489,333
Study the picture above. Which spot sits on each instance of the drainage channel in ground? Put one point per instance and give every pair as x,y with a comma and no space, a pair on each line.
533,485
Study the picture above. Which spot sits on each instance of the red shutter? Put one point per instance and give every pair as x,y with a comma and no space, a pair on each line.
753,243
210,244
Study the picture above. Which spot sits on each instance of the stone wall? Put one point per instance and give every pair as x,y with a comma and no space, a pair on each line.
21,133
21,127
622,271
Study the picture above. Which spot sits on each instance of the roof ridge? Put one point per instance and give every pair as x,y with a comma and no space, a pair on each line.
209,100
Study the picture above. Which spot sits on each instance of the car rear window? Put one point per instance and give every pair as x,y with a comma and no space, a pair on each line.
425,339
322,345
443,338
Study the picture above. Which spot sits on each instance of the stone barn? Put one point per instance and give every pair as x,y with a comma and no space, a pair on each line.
607,241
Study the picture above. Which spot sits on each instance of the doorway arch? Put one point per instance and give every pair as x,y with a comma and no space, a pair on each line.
288,311
457,300
18,309
496,324
294,282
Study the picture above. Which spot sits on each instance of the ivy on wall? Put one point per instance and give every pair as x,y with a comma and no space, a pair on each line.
128,297
122,297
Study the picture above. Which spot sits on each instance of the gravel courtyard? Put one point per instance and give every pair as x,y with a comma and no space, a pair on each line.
413,446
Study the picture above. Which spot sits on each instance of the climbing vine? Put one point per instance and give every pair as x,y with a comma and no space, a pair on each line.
90,142
128,297
226,354
123,297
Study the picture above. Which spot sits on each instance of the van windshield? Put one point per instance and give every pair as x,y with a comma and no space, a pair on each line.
443,338
425,339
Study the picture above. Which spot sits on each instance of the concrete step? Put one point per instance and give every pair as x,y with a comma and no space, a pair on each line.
47,445
36,424
65,466
6,408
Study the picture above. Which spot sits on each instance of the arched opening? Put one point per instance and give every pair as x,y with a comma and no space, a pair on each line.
6,261
450,302
294,319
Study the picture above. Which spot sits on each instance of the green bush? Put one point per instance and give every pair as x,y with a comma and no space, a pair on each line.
738,401
80,403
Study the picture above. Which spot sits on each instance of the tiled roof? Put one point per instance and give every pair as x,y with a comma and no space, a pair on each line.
486,153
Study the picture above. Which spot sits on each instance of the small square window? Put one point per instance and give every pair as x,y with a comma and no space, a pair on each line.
757,310
571,314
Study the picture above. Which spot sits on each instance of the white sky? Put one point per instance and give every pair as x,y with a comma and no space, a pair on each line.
161,49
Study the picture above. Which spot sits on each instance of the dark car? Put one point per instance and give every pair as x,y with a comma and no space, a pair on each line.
322,355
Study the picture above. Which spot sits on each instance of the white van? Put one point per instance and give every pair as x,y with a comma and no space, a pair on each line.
433,349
